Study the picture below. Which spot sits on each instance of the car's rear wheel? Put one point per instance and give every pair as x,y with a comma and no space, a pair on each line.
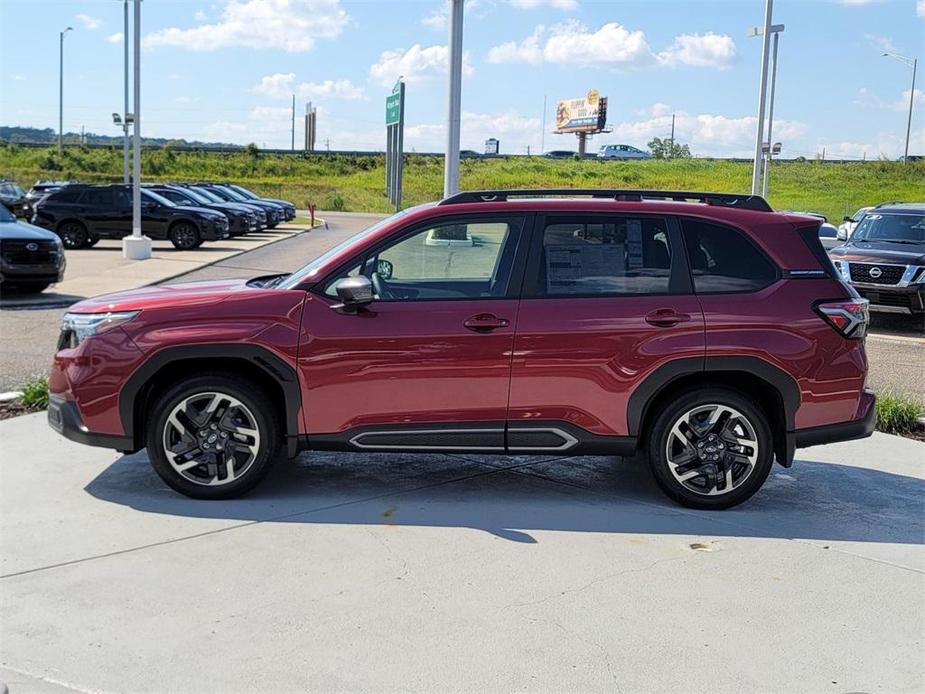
710,448
73,234
212,436
184,236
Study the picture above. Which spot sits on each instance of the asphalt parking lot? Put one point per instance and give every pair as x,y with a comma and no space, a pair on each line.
409,572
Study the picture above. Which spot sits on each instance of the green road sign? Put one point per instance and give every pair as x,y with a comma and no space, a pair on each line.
392,109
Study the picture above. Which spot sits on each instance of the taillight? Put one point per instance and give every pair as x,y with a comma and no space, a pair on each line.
848,316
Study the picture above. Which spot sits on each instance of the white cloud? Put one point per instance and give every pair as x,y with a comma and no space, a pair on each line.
416,64
700,50
289,25
882,43
856,3
187,99
868,99
19,78
89,22
558,4
440,18
920,8
282,85
115,38
200,16
613,45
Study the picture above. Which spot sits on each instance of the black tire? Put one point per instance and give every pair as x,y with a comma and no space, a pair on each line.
73,234
184,236
713,457
93,241
258,413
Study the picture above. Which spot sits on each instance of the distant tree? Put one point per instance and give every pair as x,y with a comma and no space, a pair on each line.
251,150
664,148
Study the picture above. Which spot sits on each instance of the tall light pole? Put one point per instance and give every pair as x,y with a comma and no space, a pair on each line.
125,174
136,246
61,87
776,29
913,63
762,95
451,167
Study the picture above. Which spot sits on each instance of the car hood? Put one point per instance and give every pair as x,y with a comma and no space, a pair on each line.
204,211
21,230
880,252
159,296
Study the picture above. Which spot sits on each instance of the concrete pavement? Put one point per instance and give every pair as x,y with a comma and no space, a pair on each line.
466,573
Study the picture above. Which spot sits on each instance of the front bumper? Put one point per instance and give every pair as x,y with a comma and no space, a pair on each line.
859,428
64,417
214,230
888,299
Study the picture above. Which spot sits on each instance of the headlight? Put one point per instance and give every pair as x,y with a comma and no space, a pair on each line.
77,327
841,266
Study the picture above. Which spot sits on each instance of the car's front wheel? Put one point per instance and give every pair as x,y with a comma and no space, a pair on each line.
213,436
184,236
710,448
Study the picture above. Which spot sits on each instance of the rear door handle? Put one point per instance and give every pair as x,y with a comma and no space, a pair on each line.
666,317
485,322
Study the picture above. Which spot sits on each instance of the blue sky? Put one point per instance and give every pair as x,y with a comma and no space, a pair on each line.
225,70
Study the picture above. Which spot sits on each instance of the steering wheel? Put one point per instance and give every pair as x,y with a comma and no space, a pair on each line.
381,287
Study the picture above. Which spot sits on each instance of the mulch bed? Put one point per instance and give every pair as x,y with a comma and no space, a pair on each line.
8,410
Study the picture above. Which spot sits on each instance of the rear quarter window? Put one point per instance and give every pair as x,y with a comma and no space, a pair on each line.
723,260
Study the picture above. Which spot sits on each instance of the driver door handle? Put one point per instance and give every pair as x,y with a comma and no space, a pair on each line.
666,317
485,322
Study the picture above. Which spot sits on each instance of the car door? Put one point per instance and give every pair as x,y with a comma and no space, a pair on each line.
98,211
427,364
606,301
122,210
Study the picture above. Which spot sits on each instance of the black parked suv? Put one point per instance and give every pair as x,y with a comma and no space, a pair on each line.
288,207
275,213
13,197
82,214
30,258
884,260
262,220
240,219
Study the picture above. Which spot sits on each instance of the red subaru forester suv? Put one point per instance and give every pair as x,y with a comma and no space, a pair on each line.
702,329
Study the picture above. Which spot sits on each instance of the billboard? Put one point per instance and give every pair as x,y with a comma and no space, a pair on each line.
585,115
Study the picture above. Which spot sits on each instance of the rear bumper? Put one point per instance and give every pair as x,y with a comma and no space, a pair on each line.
859,428
64,417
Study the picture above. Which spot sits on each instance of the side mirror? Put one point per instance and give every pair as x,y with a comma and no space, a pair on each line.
354,293
847,219
384,268
842,235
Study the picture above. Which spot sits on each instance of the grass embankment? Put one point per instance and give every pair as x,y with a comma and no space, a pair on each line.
356,183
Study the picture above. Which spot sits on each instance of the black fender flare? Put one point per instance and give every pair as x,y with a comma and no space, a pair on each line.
268,362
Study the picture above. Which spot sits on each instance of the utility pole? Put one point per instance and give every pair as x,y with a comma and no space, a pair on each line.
136,246
671,148
125,174
543,131
913,63
762,95
292,146
451,165
61,87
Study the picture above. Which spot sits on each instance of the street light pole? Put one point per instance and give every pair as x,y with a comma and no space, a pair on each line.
136,246
125,174
451,168
762,95
61,88
767,165
913,63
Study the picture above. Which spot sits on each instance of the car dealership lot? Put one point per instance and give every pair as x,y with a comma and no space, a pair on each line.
404,572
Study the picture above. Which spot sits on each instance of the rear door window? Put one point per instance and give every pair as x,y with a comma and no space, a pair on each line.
604,256
723,260
98,198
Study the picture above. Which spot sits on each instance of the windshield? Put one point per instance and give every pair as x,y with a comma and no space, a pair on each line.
207,194
307,272
896,228
5,215
201,199
160,199
232,194
860,213
245,192
12,189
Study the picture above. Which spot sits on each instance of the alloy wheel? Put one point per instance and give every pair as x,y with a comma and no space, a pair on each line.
184,236
712,449
211,438
73,235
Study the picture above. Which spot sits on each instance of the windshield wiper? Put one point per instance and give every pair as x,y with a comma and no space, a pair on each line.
901,241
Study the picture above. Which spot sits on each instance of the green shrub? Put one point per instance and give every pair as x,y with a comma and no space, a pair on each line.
335,202
898,414
35,394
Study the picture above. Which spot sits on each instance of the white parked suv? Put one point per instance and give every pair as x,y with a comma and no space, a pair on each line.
846,228
621,152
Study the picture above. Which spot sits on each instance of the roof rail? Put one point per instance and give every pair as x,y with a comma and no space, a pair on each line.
745,202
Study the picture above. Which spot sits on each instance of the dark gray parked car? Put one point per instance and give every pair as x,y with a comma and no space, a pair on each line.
30,258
